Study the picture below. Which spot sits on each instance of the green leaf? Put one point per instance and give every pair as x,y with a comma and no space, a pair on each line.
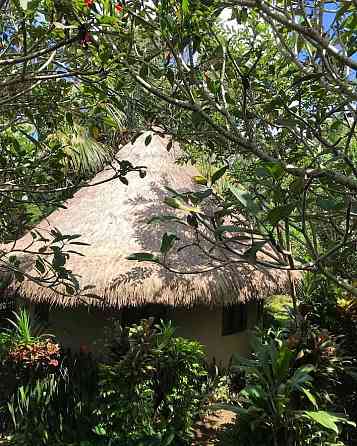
59,260
218,174
253,393
143,257
196,118
79,243
197,197
245,198
167,242
24,4
168,439
213,85
19,276
40,265
108,20
170,74
124,180
328,203
69,289
177,204
199,179
310,396
185,6
279,213
169,145
69,118
272,169
71,251
254,249
144,72
327,419
173,202
262,172
148,140
230,408
163,218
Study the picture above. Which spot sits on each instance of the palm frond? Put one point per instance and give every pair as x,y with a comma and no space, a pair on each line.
84,155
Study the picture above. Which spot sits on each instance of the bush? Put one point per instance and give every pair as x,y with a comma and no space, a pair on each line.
330,308
49,394
279,404
152,390
57,408
276,311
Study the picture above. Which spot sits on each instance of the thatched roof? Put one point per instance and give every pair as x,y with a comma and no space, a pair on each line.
113,218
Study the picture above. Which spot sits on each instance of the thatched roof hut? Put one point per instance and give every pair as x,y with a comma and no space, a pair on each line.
113,219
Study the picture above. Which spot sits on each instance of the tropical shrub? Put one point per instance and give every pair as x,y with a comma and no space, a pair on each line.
26,351
279,404
332,314
49,393
276,311
57,408
151,391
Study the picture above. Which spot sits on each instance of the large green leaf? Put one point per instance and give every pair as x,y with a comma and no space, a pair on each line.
245,198
310,396
143,257
327,419
218,174
329,203
200,179
178,204
167,242
185,6
279,213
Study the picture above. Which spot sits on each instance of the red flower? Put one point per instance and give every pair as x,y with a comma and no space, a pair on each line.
88,3
118,8
53,362
84,348
87,38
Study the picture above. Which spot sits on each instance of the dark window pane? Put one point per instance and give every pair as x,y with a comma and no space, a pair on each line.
234,319
133,315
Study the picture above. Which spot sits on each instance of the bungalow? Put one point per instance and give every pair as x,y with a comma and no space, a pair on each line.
218,308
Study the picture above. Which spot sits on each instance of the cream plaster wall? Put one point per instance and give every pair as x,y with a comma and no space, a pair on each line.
205,325
80,326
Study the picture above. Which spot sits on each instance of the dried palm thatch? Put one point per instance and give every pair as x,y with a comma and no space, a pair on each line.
113,218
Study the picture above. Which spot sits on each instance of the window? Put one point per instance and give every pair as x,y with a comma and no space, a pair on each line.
133,315
234,319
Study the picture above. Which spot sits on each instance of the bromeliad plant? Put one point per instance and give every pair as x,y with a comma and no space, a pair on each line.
26,329
279,404
30,348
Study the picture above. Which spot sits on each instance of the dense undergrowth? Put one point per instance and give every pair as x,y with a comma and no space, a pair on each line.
149,389
298,387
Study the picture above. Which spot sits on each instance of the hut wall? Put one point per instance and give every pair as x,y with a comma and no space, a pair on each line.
205,325
76,327
80,327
